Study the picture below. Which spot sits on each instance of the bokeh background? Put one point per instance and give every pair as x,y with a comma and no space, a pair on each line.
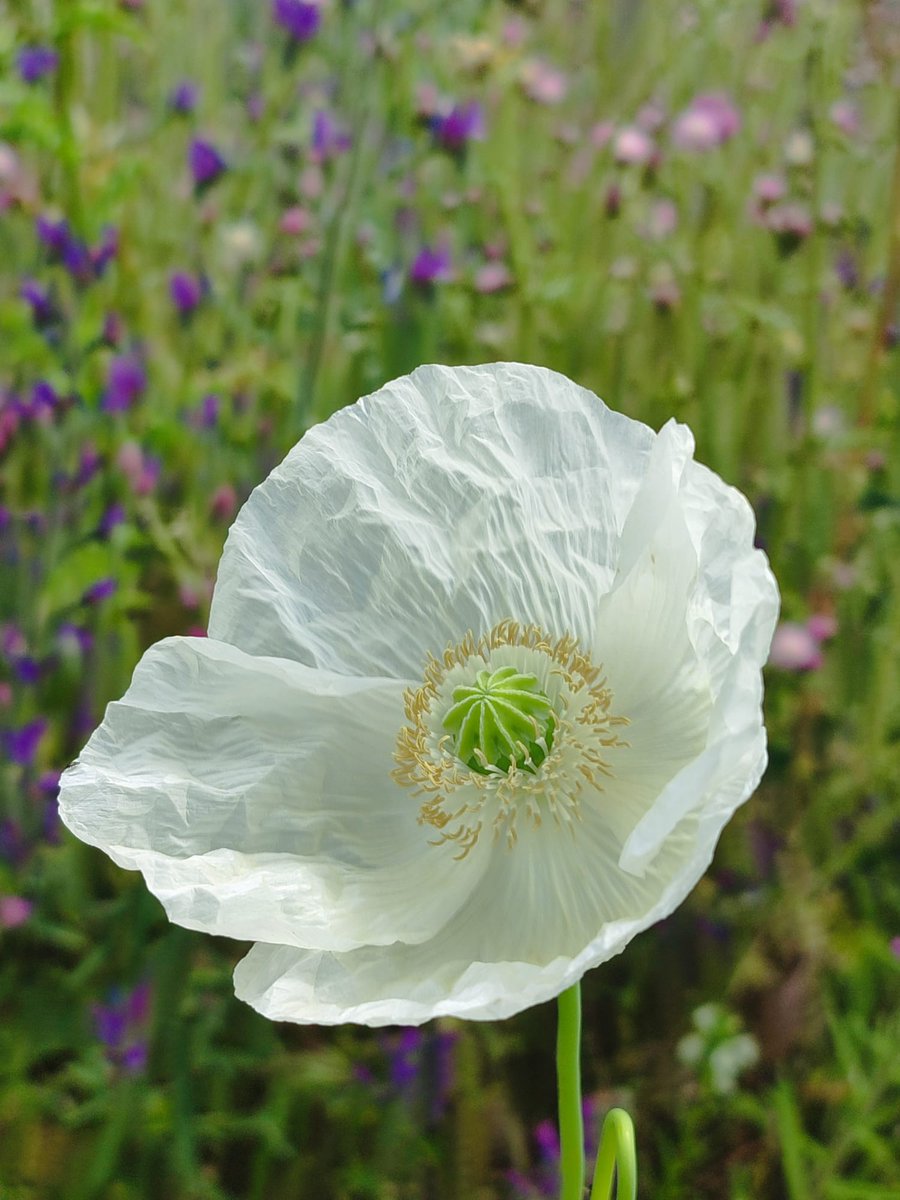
221,220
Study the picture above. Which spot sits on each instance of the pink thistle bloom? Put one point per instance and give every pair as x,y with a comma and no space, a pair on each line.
601,134
822,626
709,120
794,648
663,219
14,911
633,147
294,221
845,115
224,502
769,189
493,277
791,223
543,83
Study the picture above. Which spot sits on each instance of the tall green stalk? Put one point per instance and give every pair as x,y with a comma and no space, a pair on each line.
616,1160
568,1078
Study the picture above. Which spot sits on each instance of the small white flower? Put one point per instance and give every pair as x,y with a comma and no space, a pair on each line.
718,1048
482,688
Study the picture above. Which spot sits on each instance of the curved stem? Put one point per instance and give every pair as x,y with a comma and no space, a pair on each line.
568,1078
616,1156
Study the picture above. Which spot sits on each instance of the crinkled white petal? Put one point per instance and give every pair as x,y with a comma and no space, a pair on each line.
255,796
463,971
450,500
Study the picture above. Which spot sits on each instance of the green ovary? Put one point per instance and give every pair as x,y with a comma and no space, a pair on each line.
500,719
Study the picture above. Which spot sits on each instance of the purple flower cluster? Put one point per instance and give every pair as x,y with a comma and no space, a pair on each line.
121,1027
543,1180
186,292
83,262
44,312
206,164
421,1068
35,62
21,743
328,138
430,266
183,98
462,124
126,380
301,21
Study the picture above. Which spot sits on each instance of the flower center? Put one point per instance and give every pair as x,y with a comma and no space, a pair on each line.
510,728
500,719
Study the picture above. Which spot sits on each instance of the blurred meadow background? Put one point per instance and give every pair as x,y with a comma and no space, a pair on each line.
220,221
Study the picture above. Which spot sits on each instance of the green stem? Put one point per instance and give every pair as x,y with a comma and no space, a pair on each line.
868,396
568,1077
616,1158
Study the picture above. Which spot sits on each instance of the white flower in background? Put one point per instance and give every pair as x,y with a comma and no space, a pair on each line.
482,687
717,1048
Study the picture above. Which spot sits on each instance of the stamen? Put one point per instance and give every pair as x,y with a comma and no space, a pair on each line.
512,745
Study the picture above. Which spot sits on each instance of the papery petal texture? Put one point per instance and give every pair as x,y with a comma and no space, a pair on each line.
458,519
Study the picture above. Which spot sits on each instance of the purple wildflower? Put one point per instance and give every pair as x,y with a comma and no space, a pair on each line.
403,1060
328,139
431,266
54,234
206,164
186,292
13,847
27,670
89,464
74,638
121,1026
22,743
300,20
113,330
183,97
81,261
34,62
126,380
43,310
709,120
44,398
113,516
464,123
99,591
209,410
547,1140
103,254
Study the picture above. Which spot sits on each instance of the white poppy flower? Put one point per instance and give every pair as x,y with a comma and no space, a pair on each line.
482,687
